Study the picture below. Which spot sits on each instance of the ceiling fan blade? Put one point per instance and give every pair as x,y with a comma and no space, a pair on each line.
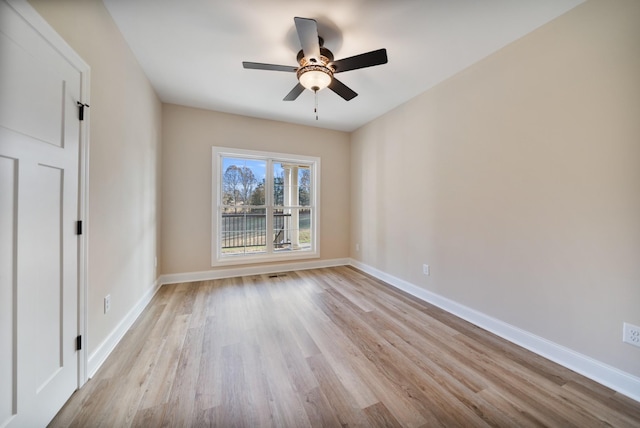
308,35
295,92
364,60
272,67
341,89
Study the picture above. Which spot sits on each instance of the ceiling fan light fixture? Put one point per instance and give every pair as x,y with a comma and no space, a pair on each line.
315,77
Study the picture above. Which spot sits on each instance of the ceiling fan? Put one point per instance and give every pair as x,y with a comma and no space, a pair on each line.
317,67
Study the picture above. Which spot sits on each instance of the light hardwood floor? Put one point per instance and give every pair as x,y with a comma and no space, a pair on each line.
327,347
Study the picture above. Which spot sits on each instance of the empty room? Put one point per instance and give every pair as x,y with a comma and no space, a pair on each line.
416,213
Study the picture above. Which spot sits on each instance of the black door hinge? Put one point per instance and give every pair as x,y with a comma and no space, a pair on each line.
78,343
79,227
81,107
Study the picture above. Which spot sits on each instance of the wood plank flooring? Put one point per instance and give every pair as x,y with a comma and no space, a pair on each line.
328,347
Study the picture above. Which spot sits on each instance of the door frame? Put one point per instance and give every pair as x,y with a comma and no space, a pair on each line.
44,29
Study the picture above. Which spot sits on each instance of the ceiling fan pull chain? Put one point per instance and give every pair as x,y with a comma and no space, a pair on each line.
315,109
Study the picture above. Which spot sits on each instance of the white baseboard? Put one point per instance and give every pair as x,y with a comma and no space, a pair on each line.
175,278
609,376
98,357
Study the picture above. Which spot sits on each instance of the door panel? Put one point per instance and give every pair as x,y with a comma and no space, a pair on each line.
43,120
39,168
44,277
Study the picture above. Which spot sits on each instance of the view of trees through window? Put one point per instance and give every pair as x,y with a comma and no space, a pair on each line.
251,206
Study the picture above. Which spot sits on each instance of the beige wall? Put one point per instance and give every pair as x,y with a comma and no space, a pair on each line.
189,134
518,182
124,162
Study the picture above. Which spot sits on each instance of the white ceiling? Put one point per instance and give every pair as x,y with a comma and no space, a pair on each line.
192,50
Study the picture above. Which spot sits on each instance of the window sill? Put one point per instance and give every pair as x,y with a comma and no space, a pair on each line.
284,256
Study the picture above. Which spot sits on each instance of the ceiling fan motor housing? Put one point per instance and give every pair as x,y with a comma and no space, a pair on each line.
326,56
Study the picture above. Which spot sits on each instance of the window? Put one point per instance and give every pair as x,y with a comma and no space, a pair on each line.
265,206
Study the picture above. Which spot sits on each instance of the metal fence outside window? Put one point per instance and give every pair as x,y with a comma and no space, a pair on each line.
250,230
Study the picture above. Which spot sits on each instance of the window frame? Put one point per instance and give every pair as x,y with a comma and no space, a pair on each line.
217,257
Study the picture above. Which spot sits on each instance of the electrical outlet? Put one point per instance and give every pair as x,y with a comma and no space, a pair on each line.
631,334
357,247
107,303
425,270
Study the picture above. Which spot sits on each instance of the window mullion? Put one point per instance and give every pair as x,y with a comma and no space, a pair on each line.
268,200
218,206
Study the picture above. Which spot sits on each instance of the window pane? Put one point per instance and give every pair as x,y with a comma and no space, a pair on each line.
243,181
304,227
278,184
292,229
304,186
291,184
281,226
244,231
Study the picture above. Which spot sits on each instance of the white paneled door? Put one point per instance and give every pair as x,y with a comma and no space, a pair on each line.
39,208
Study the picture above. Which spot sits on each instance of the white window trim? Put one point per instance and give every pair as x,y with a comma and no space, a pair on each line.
217,259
